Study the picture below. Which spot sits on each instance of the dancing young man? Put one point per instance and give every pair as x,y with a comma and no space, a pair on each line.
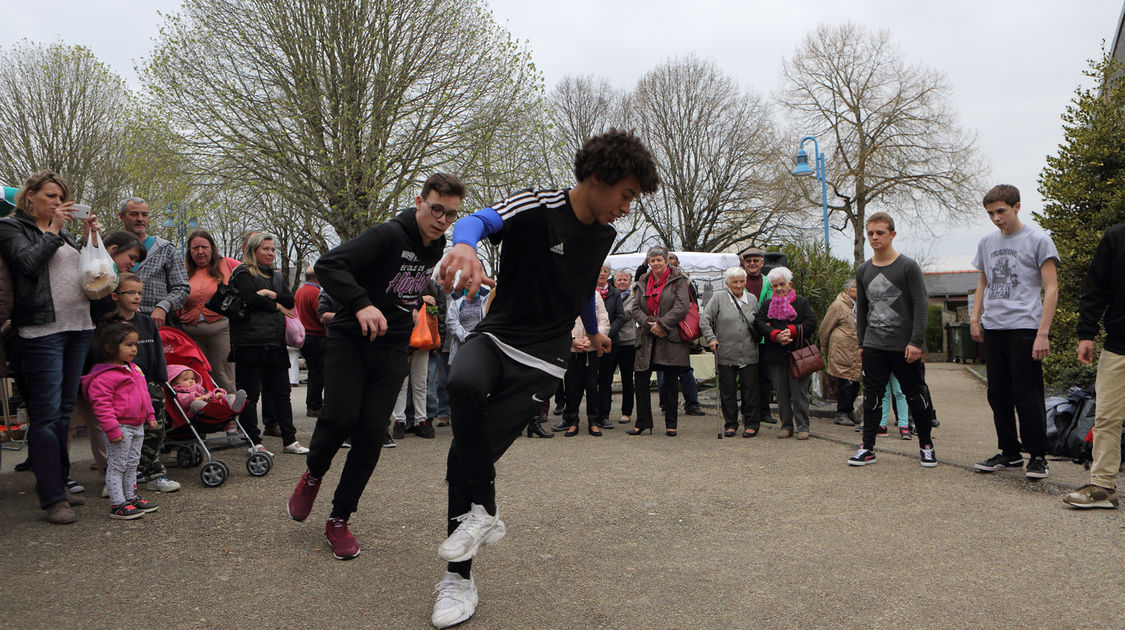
377,279
554,243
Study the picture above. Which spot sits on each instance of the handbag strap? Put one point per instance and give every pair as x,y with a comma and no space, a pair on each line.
739,309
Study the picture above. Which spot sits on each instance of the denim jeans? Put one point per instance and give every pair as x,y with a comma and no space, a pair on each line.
52,366
437,392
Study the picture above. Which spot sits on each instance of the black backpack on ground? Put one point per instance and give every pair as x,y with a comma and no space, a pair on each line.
1068,423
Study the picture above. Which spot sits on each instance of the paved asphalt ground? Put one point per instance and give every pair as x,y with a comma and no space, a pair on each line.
611,532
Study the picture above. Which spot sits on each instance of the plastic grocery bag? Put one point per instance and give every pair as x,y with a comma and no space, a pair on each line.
294,332
425,334
98,273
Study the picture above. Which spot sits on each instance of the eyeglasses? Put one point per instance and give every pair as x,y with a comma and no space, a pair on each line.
132,292
439,211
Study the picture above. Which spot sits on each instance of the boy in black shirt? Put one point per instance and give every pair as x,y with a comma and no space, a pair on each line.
554,243
376,278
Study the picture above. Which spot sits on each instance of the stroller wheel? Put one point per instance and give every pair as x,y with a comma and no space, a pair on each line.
258,464
214,473
197,454
184,457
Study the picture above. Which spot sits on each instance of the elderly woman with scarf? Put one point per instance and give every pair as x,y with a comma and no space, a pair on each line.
663,303
787,322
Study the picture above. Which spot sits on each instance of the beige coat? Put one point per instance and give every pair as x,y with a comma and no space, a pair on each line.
838,339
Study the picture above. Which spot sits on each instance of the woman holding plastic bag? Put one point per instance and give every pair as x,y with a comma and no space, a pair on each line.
52,319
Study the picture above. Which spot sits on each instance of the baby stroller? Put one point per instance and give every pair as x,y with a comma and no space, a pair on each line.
187,430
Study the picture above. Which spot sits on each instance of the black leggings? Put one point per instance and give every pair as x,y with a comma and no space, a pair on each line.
361,384
490,399
581,378
623,357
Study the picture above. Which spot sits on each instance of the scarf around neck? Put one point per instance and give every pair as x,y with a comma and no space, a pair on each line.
653,288
782,309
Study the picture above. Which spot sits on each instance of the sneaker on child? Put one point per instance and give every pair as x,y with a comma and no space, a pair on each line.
74,486
424,430
125,511
929,460
862,457
162,484
144,505
344,545
477,528
456,600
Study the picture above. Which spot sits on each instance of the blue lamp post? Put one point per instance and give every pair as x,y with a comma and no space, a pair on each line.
803,169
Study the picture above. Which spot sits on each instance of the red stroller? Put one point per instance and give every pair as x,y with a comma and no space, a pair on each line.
187,432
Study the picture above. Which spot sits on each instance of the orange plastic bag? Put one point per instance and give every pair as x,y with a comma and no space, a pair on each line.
425,335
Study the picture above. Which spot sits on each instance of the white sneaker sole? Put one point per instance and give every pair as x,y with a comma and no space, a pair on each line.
1096,504
491,537
929,464
852,462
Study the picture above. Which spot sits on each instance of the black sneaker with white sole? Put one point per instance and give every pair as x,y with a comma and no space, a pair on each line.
1000,461
929,460
862,457
1037,468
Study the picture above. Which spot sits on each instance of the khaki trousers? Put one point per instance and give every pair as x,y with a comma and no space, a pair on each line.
1110,411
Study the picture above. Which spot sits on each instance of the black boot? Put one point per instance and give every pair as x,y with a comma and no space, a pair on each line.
535,428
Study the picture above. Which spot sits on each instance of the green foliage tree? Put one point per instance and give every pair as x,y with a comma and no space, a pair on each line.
817,275
1083,190
65,111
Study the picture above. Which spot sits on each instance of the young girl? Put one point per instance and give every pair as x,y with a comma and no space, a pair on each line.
118,393
194,396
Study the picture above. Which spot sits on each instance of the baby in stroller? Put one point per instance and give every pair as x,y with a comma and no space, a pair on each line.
196,398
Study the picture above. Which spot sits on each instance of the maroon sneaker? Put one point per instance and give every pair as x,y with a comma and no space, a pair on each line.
344,545
301,501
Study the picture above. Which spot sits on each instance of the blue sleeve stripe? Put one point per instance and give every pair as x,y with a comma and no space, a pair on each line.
478,225
589,317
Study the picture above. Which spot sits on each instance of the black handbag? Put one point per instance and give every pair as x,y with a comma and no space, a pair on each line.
227,302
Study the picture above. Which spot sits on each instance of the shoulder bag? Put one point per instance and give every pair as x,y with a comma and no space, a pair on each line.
806,359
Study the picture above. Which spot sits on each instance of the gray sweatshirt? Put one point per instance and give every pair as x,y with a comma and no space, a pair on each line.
720,322
891,305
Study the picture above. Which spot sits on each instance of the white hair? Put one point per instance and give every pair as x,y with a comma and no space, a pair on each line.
780,273
734,272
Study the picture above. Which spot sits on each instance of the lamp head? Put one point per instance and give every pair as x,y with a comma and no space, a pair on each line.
802,169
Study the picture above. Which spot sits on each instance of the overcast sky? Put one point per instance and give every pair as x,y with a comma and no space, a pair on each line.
1013,65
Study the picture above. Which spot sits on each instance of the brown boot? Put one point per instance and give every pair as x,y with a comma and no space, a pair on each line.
74,500
60,513
784,433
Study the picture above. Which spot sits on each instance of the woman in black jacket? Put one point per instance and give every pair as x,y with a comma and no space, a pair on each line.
257,342
787,322
52,318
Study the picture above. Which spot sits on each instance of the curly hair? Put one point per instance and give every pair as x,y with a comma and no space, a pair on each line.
613,156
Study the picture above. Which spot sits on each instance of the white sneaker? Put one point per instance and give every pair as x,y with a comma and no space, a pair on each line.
296,449
477,528
162,484
456,600
105,491
259,448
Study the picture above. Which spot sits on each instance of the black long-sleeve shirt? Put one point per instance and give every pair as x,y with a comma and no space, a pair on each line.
1101,296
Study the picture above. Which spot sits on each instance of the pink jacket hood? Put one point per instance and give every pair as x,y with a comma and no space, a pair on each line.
119,395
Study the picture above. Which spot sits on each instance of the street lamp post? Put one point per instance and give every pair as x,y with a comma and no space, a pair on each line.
802,170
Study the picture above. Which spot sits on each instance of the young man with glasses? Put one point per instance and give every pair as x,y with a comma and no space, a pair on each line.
377,279
553,246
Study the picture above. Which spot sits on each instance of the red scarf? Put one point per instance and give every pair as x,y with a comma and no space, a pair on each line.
603,291
653,288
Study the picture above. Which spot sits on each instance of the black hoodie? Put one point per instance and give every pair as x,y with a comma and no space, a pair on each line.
386,267
1103,295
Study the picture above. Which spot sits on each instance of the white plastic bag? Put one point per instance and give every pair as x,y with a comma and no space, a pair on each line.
99,275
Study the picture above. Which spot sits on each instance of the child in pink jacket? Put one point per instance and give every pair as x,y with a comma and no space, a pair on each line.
118,394
194,396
